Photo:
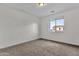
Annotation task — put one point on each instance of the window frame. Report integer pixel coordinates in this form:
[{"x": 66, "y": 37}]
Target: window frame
[{"x": 56, "y": 25}]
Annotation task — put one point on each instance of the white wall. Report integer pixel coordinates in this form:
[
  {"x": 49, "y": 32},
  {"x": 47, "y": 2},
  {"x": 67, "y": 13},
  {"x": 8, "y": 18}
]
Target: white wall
[
  {"x": 71, "y": 31},
  {"x": 16, "y": 27}
]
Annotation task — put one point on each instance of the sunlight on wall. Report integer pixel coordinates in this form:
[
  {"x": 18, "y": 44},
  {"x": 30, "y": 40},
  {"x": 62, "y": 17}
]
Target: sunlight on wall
[{"x": 35, "y": 27}]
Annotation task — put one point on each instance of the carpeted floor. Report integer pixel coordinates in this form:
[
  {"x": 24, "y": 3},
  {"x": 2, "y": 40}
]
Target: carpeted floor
[{"x": 40, "y": 48}]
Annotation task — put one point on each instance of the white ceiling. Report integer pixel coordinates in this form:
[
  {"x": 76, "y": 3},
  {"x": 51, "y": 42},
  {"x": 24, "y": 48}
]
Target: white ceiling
[{"x": 33, "y": 9}]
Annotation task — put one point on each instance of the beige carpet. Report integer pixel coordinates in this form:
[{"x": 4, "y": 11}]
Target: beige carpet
[{"x": 40, "y": 48}]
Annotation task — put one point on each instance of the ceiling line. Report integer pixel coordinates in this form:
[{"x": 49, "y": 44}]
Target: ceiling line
[
  {"x": 69, "y": 9},
  {"x": 21, "y": 10}
]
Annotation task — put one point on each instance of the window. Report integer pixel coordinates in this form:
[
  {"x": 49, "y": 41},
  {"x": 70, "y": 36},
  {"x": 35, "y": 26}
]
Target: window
[{"x": 57, "y": 25}]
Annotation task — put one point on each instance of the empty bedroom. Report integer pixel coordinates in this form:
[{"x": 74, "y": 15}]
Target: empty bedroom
[{"x": 39, "y": 29}]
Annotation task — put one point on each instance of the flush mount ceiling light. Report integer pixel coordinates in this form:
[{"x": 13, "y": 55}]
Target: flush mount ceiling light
[{"x": 41, "y": 4}]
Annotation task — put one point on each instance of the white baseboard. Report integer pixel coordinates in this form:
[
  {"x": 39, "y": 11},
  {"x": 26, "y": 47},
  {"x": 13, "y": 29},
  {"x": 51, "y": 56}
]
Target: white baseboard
[{"x": 18, "y": 42}]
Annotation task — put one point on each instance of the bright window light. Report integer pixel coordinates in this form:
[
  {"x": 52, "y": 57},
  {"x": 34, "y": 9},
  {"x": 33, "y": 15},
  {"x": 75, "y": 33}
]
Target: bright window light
[{"x": 57, "y": 25}]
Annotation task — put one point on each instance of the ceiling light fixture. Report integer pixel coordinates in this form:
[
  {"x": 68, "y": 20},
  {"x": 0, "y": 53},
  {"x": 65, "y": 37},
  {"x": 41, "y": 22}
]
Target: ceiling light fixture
[{"x": 41, "y": 4}]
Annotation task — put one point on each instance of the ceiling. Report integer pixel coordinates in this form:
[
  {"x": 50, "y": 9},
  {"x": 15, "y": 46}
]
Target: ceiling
[{"x": 33, "y": 9}]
